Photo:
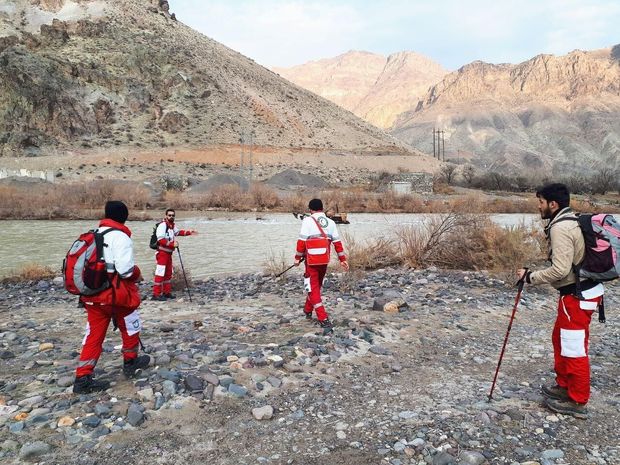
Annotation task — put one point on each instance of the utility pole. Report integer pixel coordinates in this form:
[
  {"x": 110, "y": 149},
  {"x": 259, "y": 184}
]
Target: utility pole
[
  {"x": 443, "y": 144},
  {"x": 433, "y": 142}
]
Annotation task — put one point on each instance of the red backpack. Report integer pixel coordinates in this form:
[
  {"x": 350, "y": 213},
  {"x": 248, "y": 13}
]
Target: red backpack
[
  {"x": 83, "y": 269},
  {"x": 317, "y": 248}
]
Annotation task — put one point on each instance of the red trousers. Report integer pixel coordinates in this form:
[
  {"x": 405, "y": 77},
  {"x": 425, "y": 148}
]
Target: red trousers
[
  {"x": 99, "y": 317},
  {"x": 163, "y": 274},
  {"x": 313, "y": 280},
  {"x": 570, "y": 337}
]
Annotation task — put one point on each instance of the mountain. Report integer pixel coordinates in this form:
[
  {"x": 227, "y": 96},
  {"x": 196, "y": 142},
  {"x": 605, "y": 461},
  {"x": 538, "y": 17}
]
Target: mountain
[
  {"x": 551, "y": 114},
  {"x": 372, "y": 86},
  {"x": 97, "y": 74}
]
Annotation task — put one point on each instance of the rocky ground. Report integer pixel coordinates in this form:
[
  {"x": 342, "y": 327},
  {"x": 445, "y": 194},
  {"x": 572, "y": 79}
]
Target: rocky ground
[{"x": 240, "y": 377}]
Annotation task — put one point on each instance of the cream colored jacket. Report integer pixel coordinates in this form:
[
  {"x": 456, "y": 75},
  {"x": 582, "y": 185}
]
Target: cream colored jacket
[{"x": 566, "y": 248}]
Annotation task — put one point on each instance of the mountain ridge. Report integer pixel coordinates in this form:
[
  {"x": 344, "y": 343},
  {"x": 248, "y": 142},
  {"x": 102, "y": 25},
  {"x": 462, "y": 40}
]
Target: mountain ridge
[
  {"x": 372, "y": 86},
  {"x": 558, "y": 114},
  {"x": 128, "y": 74}
]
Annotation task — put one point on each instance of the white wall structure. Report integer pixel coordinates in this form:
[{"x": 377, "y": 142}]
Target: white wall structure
[{"x": 48, "y": 176}]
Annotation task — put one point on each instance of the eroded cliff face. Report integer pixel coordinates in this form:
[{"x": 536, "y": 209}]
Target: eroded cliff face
[
  {"x": 550, "y": 113},
  {"x": 125, "y": 73},
  {"x": 372, "y": 86}
]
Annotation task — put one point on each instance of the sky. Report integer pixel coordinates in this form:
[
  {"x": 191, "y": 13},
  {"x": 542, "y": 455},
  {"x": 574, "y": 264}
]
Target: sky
[{"x": 451, "y": 32}]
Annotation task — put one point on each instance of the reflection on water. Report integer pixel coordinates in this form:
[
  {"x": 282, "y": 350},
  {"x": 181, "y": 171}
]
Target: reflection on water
[{"x": 227, "y": 243}]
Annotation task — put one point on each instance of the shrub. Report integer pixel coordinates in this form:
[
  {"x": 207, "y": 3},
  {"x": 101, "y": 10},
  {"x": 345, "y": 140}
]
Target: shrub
[
  {"x": 369, "y": 255},
  {"x": 30, "y": 272},
  {"x": 276, "y": 264},
  {"x": 467, "y": 242},
  {"x": 263, "y": 197}
]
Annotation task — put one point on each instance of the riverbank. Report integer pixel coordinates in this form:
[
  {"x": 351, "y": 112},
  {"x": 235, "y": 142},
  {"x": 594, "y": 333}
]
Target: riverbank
[
  {"x": 33, "y": 199},
  {"x": 240, "y": 377}
]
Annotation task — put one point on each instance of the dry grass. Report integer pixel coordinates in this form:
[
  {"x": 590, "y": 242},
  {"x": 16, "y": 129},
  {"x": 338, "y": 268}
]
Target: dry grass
[
  {"x": 30, "y": 272},
  {"x": 46, "y": 201},
  {"x": 452, "y": 241},
  {"x": 277, "y": 263},
  {"x": 178, "y": 280},
  {"x": 369, "y": 255},
  {"x": 468, "y": 242},
  {"x": 86, "y": 200}
]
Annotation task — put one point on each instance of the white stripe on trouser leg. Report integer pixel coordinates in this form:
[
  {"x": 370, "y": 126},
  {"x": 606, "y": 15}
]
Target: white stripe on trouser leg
[
  {"x": 315, "y": 306},
  {"x": 307, "y": 285},
  {"x": 160, "y": 270},
  {"x": 133, "y": 323},
  {"x": 86, "y": 333},
  {"x": 587, "y": 305},
  {"x": 87, "y": 363},
  {"x": 573, "y": 343}
]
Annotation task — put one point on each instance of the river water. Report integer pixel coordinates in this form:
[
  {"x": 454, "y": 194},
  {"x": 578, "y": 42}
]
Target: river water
[{"x": 226, "y": 243}]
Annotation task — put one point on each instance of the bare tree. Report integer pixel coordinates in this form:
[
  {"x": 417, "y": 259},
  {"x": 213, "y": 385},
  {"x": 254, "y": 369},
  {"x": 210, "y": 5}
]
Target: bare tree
[
  {"x": 469, "y": 173},
  {"x": 605, "y": 180},
  {"x": 448, "y": 172}
]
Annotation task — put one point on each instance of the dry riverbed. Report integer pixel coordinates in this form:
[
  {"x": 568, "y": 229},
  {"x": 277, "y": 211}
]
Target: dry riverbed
[{"x": 240, "y": 377}]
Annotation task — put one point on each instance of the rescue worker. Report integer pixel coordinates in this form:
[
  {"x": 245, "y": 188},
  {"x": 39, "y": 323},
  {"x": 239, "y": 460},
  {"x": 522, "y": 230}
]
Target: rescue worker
[
  {"x": 314, "y": 244},
  {"x": 571, "y": 332},
  {"x": 166, "y": 243},
  {"x": 117, "y": 303}
]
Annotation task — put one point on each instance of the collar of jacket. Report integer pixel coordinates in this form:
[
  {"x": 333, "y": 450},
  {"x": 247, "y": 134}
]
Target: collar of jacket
[
  {"x": 170, "y": 224},
  {"x": 559, "y": 214},
  {"x": 317, "y": 214},
  {"x": 106, "y": 222}
]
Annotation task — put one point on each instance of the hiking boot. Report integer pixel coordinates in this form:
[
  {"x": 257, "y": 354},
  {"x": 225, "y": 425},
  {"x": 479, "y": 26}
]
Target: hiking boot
[
  {"x": 327, "y": 326},
  {"x": 130, "y": 367},
  {"x": 170, "y": 296},
  {"x": 556, "y": 392},
  {"x": 568, "y": 407},
  {"x": 86, "y": 384},
  {"x": 159, "y": 298},
  {"x": 308, "y": 316}
]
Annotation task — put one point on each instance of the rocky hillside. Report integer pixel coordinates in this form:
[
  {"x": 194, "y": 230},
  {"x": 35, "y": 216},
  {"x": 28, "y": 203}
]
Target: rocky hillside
[
  {"x": 125, "y": 73},
  {"x": 549, "y": 114},
  {"x": 372, "y": 86}
]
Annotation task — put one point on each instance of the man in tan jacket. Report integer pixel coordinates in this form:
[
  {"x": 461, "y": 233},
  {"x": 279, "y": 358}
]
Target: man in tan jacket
[{"x": 571, "y": 332}]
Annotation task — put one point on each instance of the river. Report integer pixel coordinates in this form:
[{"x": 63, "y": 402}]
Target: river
[{"x": 226, "y": 243}]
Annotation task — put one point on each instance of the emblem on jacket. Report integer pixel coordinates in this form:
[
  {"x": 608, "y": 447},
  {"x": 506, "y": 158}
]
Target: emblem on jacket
[{"x": 323, "y": 221}]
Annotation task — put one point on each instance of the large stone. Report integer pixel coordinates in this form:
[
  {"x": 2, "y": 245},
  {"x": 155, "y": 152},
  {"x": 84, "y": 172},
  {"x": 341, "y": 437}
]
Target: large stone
[
  {"x": 471, "y": 458},
  {"x": 66, "y": 421},
  {"x": 135, "y": 417},
  {"x": 193, "y": 383},
  {"x": 32, "y": 450},
  {"x": 263, "y": 413}
]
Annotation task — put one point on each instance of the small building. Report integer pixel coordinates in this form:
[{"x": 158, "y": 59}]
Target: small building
[{"x": 412, "y": 183}]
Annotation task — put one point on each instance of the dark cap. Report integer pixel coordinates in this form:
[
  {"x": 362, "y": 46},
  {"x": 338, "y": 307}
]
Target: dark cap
[
  {"x": 315, "y": 205},
  {"x": 116, "y": 210}
]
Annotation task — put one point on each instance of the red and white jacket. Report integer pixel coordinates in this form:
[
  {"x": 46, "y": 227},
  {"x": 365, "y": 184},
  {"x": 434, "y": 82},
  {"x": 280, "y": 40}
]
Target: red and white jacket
[
  {"x": 309, "y": 230},
  {"x": 166, "y": 233},
  {"x": 121, "y": 268}
]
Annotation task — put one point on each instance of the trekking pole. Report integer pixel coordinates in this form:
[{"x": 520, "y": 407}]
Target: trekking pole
[
  {"x": 280, "y": 274},
  {"x": 520, "y": 284},
  {"x": 184, "y": 275},
  {"x": 273, "y": 277}
]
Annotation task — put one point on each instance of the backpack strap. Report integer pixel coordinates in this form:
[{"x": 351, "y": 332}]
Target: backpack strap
[
  {"x": 99, "y": 244},
  {"x": 319, "y": 226}
]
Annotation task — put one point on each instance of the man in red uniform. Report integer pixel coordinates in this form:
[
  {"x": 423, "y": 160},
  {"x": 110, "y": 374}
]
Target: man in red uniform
[
  {"x": 166, "y": 243},
  {"x": 571, "y": 332},
  {"x": 315, "y": 238},
  {"x": 118, "y": 303}
]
